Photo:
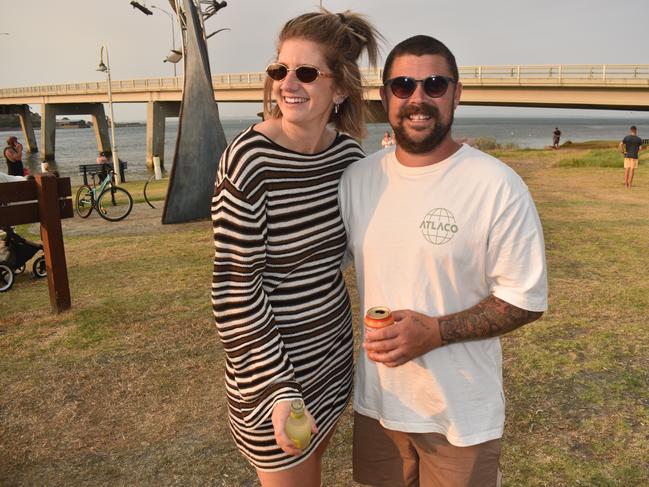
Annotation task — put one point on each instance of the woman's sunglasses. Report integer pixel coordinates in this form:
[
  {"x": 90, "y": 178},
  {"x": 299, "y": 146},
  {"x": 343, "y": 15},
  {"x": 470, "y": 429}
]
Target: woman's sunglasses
[
  {"x": 434, "y": 86},
  {"x": 304, "y": 73}
]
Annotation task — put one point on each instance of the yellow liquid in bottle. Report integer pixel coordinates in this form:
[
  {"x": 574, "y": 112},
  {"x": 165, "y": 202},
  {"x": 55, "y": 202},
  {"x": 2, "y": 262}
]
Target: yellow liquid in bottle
[{"x": 298, "y": 427}]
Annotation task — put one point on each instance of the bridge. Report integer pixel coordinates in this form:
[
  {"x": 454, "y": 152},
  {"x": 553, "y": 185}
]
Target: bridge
[{"x": 598, "y": 86}]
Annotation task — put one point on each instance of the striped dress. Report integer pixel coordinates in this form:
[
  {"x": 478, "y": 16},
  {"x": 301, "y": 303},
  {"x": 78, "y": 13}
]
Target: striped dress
[{"x": 279, "y": 299}]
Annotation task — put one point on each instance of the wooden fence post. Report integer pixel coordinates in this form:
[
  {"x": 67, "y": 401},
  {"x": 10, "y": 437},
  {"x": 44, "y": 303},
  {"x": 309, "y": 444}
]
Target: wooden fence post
[{"x": 52, "y": 236}]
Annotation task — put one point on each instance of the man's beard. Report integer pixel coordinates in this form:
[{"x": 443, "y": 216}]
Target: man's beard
[{"x": 432, "y": 140}]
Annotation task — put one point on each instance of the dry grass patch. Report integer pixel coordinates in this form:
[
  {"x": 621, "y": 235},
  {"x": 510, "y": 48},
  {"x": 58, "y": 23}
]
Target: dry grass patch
[{"x": 126, "y": 388}]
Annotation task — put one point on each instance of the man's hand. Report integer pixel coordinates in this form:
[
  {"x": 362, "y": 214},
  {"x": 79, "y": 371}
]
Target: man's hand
[
  {"x": 412, "y": 335},
  {"x": 281, "y": 412}
]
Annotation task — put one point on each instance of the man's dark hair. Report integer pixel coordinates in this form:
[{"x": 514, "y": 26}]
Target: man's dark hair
[
  {"x": 633, "y": 128},
  {"x": 420, "y": 45}
]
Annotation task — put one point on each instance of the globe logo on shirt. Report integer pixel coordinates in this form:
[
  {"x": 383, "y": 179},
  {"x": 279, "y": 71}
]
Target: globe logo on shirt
[{"x": 438, "y": 226}]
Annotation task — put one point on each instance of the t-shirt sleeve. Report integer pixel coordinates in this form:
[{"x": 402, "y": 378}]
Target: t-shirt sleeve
[
  {"x": 258, "y": 369},
  {"x": 516, "y": 266}
]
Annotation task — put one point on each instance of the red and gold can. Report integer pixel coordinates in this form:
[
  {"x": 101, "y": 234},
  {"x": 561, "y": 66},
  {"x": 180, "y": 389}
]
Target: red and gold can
[{"x": 378, "y": 317}]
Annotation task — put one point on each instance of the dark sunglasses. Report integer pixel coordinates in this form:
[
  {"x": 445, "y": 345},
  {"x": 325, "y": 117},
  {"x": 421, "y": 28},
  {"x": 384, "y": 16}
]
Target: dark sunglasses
[
  {"x": 304, "y": 73},
  {"x": 434, "y": 86}
]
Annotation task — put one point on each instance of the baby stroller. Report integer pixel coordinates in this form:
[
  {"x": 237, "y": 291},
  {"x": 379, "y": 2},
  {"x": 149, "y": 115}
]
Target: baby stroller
[{"x": 15, "y": 252}]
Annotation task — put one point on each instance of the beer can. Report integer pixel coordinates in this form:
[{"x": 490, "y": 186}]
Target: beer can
[{"x": 378, "y": 317}]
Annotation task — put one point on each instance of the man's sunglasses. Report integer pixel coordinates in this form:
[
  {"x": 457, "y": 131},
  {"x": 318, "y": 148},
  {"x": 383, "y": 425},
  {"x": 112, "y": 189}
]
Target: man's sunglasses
[
  {"x": 304, "y": 73},
  {"x": 434, "y": 86}
]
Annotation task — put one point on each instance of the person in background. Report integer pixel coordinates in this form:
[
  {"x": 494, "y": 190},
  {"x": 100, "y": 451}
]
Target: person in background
[
  {"x": 13, "y": 153},
  {"x": 45, "y": 168},
  {"x": 278, "y": 294},
  {"x": 386, "y": 141},
  {"x": 449, "y": 238},
  {"x": 556, "y": 137},
  {"x": 101, "y": 158},
  {"x": 630, "y": 146}
]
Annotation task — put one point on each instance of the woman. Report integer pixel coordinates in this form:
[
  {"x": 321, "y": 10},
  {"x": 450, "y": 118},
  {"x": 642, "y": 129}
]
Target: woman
[
  {"x": 278, "y": 294},
  {"x": 14, "y": 155}
]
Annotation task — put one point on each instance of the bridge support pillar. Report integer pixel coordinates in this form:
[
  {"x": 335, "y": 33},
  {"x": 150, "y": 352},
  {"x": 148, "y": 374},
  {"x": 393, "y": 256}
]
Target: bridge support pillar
[
  {"x": 100, "y": 126},
  {"x": 48, "y": 131},
  {"x": 49, "y": 112},
  {"x": 25, "y": 117},
  {"x": 156, "y": 115}
]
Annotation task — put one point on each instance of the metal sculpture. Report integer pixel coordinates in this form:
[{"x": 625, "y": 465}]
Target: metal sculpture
[{"x": 201, "y": 140}]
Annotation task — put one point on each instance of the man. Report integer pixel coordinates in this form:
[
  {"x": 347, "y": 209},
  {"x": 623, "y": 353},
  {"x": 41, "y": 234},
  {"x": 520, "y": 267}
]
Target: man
[
  {"x": 13, "y": 153},
  {"x": 630, "y": 146},
  {"x": 449, "y": 238},
  {"x": 556, "y": 137}
]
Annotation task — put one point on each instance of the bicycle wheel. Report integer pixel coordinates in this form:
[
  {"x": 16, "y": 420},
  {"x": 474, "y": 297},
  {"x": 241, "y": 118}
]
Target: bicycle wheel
[
  {"x": 84, "y": 201},
  {"x": 114, "y": 204},
  {"x": 39, "y": 269},
  {"x": 146, "y": 197},
  {"x": 6, "y": 278},
  {"x": 155, "y": 190}
]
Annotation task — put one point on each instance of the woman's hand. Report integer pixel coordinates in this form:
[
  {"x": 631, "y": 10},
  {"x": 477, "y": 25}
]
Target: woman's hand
[{"x": 281, "y": 412}]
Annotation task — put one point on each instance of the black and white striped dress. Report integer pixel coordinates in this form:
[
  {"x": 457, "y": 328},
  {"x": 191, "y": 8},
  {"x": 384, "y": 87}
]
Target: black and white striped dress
[{"x": 279, "y": 299}]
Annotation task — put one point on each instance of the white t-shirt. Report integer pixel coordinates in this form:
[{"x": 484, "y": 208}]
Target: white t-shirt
[
  {"x": 7, "y": 178},
  {"x": 438, "y": 240}
]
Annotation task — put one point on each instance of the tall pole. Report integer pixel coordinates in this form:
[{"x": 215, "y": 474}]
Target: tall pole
[
  {"x": 178, "y": 11},
  {"x": 106, "y": 68},
  {"x": 173, "y": 32}
]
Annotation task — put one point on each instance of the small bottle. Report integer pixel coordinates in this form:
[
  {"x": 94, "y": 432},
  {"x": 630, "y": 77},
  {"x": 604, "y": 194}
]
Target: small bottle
[
  {"x": 378, "y": 317},
  {"x": 298, "y": 426}
]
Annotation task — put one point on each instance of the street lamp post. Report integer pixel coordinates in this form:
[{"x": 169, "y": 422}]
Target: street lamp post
[
  {"x": 173, "y": 32},
  {"x": 105, "y": 68}
]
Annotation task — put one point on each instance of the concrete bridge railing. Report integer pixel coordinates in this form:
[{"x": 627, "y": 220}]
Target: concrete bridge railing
[
  {"x": 551, "y": 75},
  {"x": 585, "y": 74}
]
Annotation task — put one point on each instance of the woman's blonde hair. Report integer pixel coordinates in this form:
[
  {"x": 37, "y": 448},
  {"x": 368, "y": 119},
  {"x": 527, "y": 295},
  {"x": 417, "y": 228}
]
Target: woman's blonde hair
[{"x": 343, "y": 37}]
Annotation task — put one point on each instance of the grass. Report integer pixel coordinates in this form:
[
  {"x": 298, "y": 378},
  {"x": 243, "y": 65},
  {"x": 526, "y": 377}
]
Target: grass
[{"x": 126, "y": 388}]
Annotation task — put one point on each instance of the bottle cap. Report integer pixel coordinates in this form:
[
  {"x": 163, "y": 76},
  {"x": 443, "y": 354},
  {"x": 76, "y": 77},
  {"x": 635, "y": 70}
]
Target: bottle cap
[{"x": 297, "y": 406}]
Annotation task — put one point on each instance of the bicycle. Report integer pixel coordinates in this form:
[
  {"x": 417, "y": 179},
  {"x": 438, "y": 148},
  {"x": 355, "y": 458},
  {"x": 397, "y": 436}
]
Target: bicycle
[{"x": 112, "y": 204}]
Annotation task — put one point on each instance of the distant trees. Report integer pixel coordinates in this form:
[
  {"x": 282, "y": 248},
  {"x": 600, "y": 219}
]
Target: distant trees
[{"x": 12, "y": 121}]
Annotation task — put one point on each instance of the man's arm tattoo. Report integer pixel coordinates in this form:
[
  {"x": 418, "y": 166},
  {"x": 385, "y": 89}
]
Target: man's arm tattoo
[{"x": 489, "y": 318}]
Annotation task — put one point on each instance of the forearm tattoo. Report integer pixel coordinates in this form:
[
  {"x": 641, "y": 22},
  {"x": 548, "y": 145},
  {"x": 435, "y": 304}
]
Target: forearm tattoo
[{"x": 489, "y": 318}]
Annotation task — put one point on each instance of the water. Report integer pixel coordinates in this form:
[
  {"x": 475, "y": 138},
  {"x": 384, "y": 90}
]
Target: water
[{"x": 78, "y": 146}]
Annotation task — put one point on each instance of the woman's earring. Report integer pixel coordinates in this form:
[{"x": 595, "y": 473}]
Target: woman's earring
[{"x": 337, "y": 104}]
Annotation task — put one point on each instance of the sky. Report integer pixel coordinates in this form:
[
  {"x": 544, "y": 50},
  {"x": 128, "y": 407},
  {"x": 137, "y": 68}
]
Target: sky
[{"x": 58, "y": 41}]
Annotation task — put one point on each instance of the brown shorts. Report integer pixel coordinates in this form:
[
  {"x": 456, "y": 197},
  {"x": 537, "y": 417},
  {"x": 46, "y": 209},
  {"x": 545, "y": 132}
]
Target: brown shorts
[
  {"x": 388, "y": 458},
  {"x": 630, "y": 162}
]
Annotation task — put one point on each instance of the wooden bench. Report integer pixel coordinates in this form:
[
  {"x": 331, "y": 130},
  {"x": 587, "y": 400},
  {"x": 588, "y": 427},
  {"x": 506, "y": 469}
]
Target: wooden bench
[
  {"x": 92, "y": 170},
  {"x": 47, "y": 200}
]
